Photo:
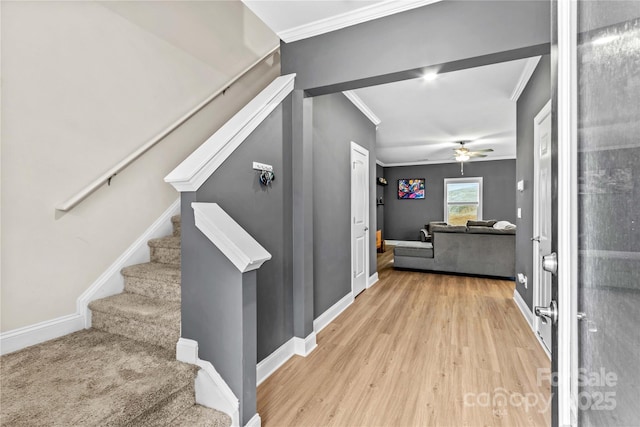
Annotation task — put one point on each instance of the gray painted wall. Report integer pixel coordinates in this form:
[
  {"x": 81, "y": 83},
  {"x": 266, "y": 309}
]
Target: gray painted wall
[
  {"x": 337, "y": 122},
  {"x": 535, "y": 95},
  {"x": 265, "y": 212},
  {"x": 380, "y": 208},
  {"x": 460, "y": 34},
  {"x": 404, "y": 218}
]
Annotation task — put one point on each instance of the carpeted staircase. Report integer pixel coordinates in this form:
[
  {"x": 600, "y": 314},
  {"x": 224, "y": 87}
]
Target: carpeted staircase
[{"x": 123, "y": 371}]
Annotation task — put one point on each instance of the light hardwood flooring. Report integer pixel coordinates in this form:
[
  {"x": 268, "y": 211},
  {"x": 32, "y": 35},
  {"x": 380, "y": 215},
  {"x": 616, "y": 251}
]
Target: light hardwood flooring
[{"x": 416, "y": 349}]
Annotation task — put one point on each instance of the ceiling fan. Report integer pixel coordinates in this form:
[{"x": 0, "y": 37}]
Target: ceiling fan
[{"x": 463, "y": 154}]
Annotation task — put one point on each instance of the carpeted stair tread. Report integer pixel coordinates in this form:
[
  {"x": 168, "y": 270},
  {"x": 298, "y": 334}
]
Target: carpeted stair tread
[
  {"x": 172, "y": 242},
  {"x": 92, "y": 378},
  {"x": 153, "y": 280},
  {"x": 165, "y": 250},
  {"x": 202, "y": 417},
  {"x": 137, "y": 317},
  {"x": 176, "y": 222}
]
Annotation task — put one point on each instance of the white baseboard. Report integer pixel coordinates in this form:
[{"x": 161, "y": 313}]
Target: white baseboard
[
  {"x": 111, "y": 281},
  {"x": 373, "y": 279},
  {"x": 334, "y": 311},
  {"x": 528, "y": 316},
  {"x": 255, "y": 421},
  {"x": 304, "y": 347},
  {"x": 20, "y": 338},
  {"x": 273, "y": 361},
  {"x": 211, "y": 390}
]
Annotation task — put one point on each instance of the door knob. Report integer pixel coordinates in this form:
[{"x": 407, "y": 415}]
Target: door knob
[
  {"x": 536, "y": 239},
  {"x": 366, "y": 228},
  {"x": 547, "y": 314},
  {"x": 550, "y": 263}
]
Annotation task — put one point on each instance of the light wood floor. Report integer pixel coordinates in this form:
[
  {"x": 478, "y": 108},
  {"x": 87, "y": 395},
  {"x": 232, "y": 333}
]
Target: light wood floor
[{"x": 417, "y": 349}]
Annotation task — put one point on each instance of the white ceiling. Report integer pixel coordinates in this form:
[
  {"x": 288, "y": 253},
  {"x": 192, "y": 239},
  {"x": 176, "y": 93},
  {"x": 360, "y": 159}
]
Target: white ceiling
[{"x": 420, "y": 121}]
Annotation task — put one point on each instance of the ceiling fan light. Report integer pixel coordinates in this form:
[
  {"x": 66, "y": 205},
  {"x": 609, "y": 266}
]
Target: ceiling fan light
[
  {"x": 462, "y": 158},
  {"x": 428, "y": 77}
]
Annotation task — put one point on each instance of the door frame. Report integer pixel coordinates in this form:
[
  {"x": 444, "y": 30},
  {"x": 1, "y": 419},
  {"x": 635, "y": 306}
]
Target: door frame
[
  {"x": 564, "y": 359},
  {"x": 353, "y": 148},
  {"x": 537, "y": 260}
]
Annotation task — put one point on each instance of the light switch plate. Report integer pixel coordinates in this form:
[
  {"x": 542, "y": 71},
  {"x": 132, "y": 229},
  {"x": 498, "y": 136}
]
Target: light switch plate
[
  {"x": 521, "y": 185},
  {"x": 519, "y": 212}
]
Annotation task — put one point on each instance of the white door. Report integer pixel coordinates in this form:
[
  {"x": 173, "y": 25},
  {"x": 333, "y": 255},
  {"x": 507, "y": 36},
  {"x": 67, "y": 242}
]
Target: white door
[
  {"x": 542, "y": 219},
  {"x": 359, "y": 218}
]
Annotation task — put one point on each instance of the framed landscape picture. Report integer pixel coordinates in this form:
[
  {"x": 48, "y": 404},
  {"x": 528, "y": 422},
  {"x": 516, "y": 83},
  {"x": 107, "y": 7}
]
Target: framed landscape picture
[{"x": 411, "y": 188}]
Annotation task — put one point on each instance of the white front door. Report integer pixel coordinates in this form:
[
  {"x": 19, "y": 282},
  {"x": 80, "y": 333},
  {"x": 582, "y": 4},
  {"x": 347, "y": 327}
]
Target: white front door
[
  {"x": 542, "y": 219},
  {"x": 359, "y": 218}
]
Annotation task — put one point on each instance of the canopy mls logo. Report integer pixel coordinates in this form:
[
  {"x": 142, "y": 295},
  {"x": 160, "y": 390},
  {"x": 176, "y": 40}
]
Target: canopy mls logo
[
  {"x": 596, "y": 388},
  {"x": 595, "y": 394}
]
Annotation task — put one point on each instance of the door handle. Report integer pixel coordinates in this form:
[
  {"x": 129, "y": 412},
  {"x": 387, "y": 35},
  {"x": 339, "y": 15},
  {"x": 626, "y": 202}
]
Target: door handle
[
  {"x": 547, "y": 314},
  {"x": 366, "y": 228},
  {"x": 550, "y": 263},
  {"x": 536, "y": 239}
]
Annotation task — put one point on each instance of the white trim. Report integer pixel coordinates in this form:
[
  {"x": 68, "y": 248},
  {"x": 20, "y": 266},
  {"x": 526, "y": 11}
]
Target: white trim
[
  {"x": 111, "y": 281},
  {"x": 526, "y": 74},
  {"x": 211, "y": 390},
  {"x": 373, "y": 279},
  {"x": 199, "y": 166},
  {"x": 187, "y": 351},
  {"x": 108, "y": 283},
  {"x": 347, "y": 19},
  {"x": 528, "y": 316},
  {"x": 360, "y": 105},
  {"x": 334, "y": 311},
  {"x": 234, "y": 242},
  {"x": 304, "y": 347},
  {"x": 442, "y": 162},
  {"x": 17, "y": 339},
  {"x": 272, "y": 362},
  {"x": 378, "y": 162},
  {"x": 255, "y": 421},
  {"x": 567, "y": 358}
]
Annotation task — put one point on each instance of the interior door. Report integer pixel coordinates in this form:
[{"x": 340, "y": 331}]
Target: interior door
[
  {"x": 542, "y": 219},
  {"x": 359, "y": 218}
]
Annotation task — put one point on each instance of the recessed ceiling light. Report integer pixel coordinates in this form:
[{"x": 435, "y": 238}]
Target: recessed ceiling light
[
  {"x": 429, "y": 77},
  {"x": 605, "y": 39}
]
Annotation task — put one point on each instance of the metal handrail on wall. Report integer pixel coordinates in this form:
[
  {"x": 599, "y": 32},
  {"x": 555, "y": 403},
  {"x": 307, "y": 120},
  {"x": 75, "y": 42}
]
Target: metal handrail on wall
[{"x": 108, "y": 175}]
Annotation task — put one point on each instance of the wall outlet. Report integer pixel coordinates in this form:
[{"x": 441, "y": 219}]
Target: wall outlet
[
  {"x": 519, "y": 212},
  {"x": 262, "y": 167}
]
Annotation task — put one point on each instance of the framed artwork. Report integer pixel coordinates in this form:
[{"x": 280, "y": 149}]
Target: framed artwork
[{"x": 411, "y": 188}]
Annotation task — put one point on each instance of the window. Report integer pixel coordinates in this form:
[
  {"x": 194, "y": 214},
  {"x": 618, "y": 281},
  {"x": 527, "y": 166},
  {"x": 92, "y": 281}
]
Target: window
[{"x": 462, "y": 200}]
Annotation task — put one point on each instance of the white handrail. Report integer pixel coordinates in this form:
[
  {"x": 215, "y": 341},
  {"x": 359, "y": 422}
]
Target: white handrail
[{"x": 106, "y": 177}]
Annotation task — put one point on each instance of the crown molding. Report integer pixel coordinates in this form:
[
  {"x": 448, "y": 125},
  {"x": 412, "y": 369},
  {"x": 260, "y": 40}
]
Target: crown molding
[
  {"x": 347, "y": 19},
  {"x": 528, "y": 70},
  {"x": 378, "y": 162},
  {"x": 441, "y": 162},
  {"x": 360, "y": 105}
]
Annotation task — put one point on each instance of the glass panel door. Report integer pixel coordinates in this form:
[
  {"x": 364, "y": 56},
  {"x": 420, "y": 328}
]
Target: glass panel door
[{"x": 608, "y": 138}]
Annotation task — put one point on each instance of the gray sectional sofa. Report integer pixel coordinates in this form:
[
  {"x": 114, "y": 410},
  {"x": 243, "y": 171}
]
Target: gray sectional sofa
[{"x": 474, "y": 249}]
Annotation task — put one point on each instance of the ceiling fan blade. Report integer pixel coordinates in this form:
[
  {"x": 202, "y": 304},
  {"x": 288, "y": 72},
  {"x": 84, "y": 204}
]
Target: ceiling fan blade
[
  {"x": 476, "y": 154},
  {"x": 484, "y": 150}
]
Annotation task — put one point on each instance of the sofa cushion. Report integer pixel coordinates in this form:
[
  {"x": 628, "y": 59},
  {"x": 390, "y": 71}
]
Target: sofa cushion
[
  {"x": 489, "y": 230},
  {"x": 414, "y": 249},
  {"x": 486, "y": 223},
  {"x": 449, "y": 229}
]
